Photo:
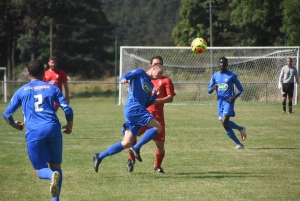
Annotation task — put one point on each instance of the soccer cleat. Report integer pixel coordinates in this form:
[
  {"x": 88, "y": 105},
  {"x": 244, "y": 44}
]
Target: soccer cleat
[
  {"x": 97, "y": 161},
  {"x": 54, "y": 189},
  {"x": 159, "y": 170},
  {"x": 130, "y": 165},
  {"x": 136, "y": 153},
  {"x": 243, "y": 133},
  {"x": 291, "y": 112},
  {"x": 240, "y": 147},
  {"x": 283, "y": 112}
]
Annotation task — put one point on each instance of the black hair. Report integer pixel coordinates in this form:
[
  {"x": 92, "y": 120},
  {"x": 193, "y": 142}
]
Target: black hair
[
  {"x": 36, "y": 68},
  {"x": 157, "y": 57},
  {"x": 225, "y": 59}
]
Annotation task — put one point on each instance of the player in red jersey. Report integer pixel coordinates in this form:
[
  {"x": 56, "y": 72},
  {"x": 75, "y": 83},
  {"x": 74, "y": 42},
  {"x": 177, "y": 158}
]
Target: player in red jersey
[
  {"x": 57, "y": 77},
  {"x": 166, "y": 94}
]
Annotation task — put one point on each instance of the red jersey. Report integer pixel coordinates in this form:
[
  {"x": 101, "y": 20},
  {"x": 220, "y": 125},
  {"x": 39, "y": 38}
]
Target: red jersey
[
  {"x": 56, "y": 77},
  {"x": 166, "y": 88}
]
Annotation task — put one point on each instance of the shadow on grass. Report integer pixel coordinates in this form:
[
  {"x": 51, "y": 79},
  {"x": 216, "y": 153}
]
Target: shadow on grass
[
  {"x": 266, "y": 148},
  {"x": 216, "y": 175},
  {"x": 88, "y": 94}
]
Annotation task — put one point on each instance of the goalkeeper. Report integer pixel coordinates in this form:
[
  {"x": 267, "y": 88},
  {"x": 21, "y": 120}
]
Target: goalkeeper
[{"x": 287, "y": 78}]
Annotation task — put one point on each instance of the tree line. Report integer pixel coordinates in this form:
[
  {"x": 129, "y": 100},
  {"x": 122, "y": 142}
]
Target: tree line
[{"x": 82, "y": 34}]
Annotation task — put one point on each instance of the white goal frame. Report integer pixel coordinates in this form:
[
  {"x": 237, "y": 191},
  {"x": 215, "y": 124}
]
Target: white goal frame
[
  {"x": 4, "y": 85},
  {"x": 189, "y": 65}
]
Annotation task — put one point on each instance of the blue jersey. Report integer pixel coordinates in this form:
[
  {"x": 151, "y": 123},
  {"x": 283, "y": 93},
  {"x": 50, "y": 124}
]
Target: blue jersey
[
  {"x": 225, "y": 82},
  {"x": 37, "y": 98},
  {"x": 140, "y": 88}
]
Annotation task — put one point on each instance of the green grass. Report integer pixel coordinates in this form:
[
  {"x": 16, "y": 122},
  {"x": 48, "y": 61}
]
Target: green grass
[{"x": 201, "y": 162}]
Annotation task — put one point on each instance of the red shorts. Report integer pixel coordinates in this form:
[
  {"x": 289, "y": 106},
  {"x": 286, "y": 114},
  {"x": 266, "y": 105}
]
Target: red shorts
[{"x": 161, "y": 137}]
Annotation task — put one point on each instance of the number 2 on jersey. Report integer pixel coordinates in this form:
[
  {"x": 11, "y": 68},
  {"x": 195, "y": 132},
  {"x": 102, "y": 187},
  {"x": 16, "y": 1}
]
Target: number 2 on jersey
[{"x": 39, "y": 101}]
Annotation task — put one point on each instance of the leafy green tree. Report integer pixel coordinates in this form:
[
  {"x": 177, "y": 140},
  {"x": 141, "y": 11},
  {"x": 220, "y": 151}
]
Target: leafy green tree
[
  {"x": 291, "y": 19},
  {"x": 196, "y": 23},
  {"x": 259, "y": 20},
  {"x": 143, "y": 22}
]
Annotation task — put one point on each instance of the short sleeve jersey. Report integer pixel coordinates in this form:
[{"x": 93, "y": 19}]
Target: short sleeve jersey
[
  {"x": 226, "y": 82},
  {"x": 166, "y": 87},
  {"x": 56, "y": 77},
  {"x": 36, "y": 99}
]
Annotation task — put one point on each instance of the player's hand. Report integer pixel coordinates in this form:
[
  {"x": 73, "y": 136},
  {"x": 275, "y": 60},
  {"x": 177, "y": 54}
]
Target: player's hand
[
  {"x": 18, "y": 125},
  {"x": 124, "y": 81},
  {"x": 215, "y": 87},
  {"x": 279, "y": 86},
  {"x": 66, "y": 129},
  {"x": 230, "y": 100}
]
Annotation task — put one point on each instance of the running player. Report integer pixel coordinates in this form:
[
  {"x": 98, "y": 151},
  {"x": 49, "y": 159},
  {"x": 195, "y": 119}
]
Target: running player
[
  {"x": 223, "y": 82},
  {"x": 43, "y": 130}
]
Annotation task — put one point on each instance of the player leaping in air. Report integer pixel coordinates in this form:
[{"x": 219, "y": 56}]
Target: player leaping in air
[{"x": 141, "y": 94}]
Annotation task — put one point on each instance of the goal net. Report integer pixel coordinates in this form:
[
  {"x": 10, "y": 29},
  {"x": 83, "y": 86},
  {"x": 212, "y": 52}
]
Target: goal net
[{"x": 258, "y": 69}]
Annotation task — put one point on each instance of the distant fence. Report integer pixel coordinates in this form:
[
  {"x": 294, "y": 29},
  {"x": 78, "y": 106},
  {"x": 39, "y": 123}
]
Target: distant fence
[
  {"x": 77, "y": 89},
  {"x": 89, "y": 89}
]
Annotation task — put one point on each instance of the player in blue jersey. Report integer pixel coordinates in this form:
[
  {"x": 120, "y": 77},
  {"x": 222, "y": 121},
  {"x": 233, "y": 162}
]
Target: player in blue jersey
[
  {"x": 223, "y": 82},
  {"x": 141, "y": 94},
  {"x": 43, "y": 129}
]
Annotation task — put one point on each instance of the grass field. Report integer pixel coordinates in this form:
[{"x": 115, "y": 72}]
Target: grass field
[{"x": 201, "y": 162}]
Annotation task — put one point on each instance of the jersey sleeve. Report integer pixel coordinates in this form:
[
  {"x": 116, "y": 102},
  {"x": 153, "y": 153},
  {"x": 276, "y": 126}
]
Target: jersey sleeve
[
  {"x": 280, "y": 77},
  {"x": 131, "y": 75},
  {"x": 238, "y": 85},
  {"x": 13, "y": 106},
  {"x": 211, "y": 84},
  {"x": 169, "y": 87},
  {"x": 63, "y": 76}
]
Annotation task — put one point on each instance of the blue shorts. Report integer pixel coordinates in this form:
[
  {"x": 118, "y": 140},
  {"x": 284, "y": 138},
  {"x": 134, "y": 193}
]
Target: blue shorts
[
  {"x": 42, "y": 152},
  {"x": 225, "y": 108},
  {"x": 135, "y": 118}
]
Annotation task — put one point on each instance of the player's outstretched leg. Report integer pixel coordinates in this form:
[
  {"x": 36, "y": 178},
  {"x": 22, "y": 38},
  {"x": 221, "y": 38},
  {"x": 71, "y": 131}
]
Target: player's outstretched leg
[
  {"x": 149, "y": 135},
  {"x": 98, "y": 157},
  {"x": 96, "y": 161}
]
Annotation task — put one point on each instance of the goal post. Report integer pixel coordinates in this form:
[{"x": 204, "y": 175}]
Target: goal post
[
  {"x": 4, "y": 85},
  {"x": 258, "y": 69}
]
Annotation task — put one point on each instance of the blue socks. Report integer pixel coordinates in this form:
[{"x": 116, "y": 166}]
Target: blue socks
[
  {"x": 46, "y": 173},
  {"x": 149, "y": 135},
  {"x": 114, "y": 149},
  {"x": 59, "y": 184},
  {"x": 233, "y": 125},
  {"x": 232, "y": 136}
]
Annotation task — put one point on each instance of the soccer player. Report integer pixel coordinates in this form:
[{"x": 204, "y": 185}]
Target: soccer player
[
  {"x": 141, "y": 94},
  {"x": 223, "y": 82},
  {"x": 43, "y": 129},
  {"x": 166, "y": 88},
  {"x": 287, "y": 78},
  {"x": 57, "y": 77}
]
